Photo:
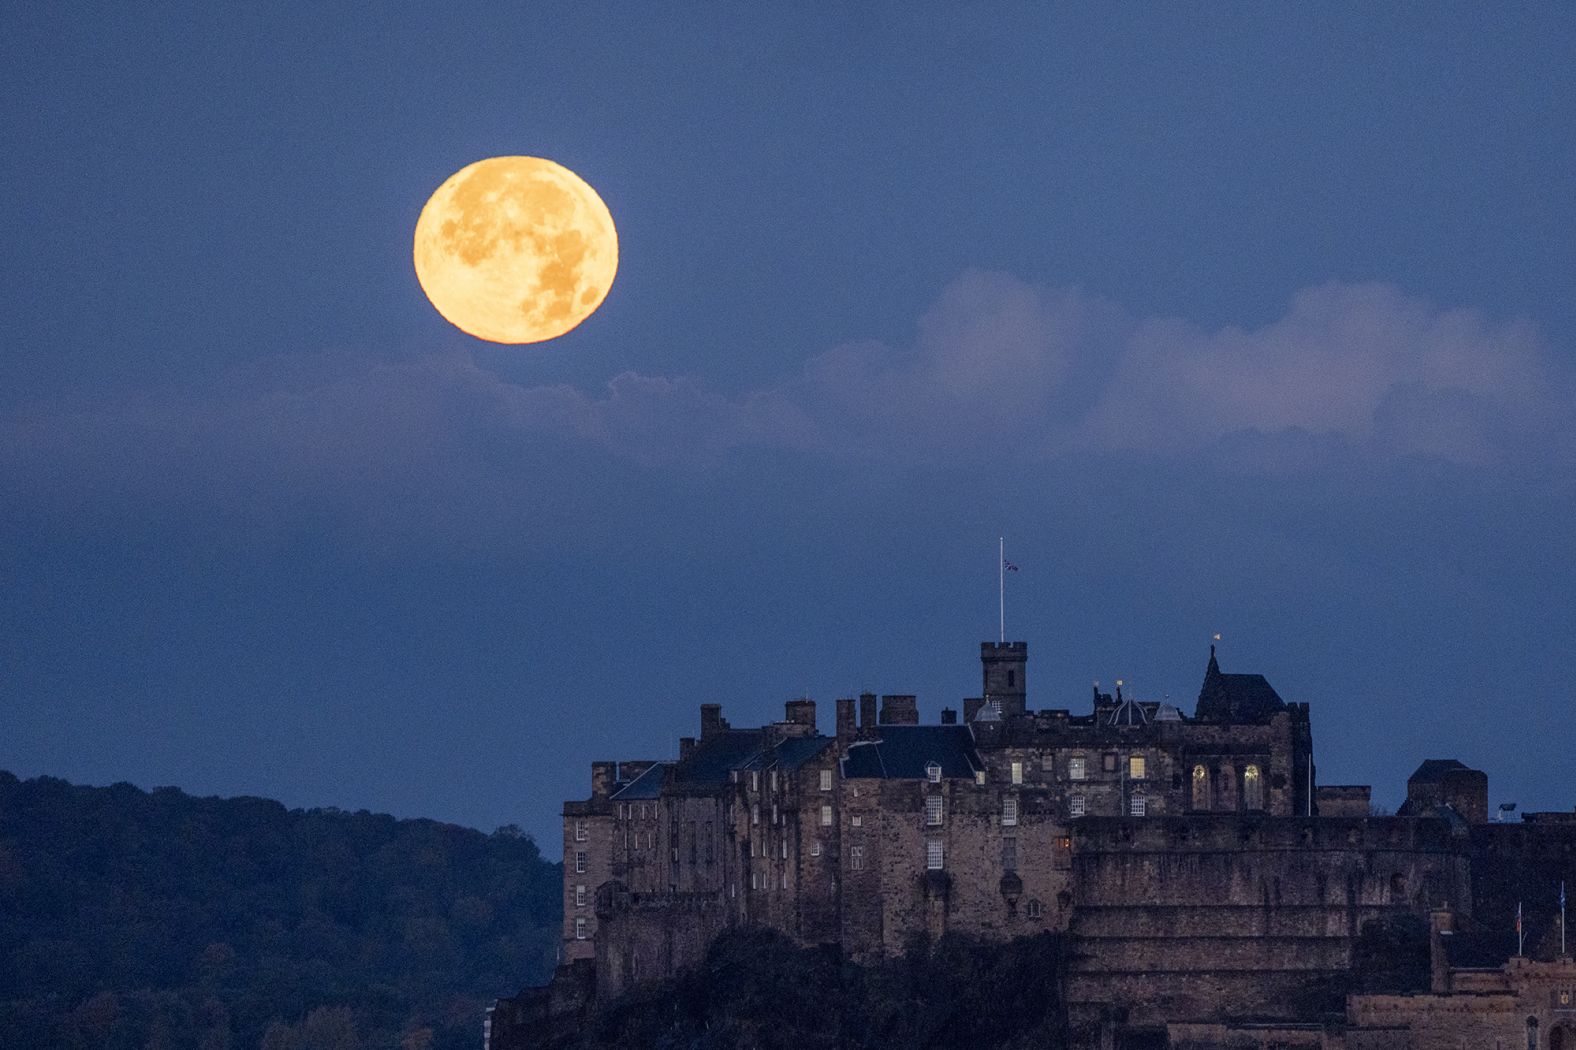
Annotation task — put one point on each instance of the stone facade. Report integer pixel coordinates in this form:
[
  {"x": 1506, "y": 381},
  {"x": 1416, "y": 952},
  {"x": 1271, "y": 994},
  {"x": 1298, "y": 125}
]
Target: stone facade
[{"x": 1189, "y": 858}]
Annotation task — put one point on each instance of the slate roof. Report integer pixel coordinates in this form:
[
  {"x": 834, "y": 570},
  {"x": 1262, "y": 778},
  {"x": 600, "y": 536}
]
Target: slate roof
[
  {"x": 1236, "y": 698},
  {"x": 789, "y": 754},
  {"x": 903, "y": 752},
  {"x": 647, "y": 785},
  {"x": 1434, "y": 770},
  {"x": 716, "y": 757}
]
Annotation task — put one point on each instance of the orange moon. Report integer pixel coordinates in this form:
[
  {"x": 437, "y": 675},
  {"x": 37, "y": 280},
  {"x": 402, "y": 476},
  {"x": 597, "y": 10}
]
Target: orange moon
[{"x": 515, "y": 249}]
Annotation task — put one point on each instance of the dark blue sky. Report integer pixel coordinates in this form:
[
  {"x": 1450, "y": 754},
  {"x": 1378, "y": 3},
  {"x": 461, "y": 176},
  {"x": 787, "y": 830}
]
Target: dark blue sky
[{"x": 1245, "y": 319}]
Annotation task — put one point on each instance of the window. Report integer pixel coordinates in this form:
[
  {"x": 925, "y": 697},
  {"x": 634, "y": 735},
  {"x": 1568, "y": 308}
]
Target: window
[
  {"x": 826, "y": 816},
  {"x": 1077, "y": 768},
  {"x": 1009, "y": 854},
  {"x": 580, "y": 831},
  {"x": 856, "y": 858},
  {"x": 1017, "y": 772},
  {"x": 1062, "y": 854},
  {"x": 933, "y": 855},
  {"x": 933, "y": 810},
  {"x": 580, "y": 862},
  {"x": 1252, "y": 788},
  {"x": 651, "y": 837},
  {"x": 783, "y": 882},
  {"x": 826, "y": 780},
  {"x": 1135, "y": 806},
  {"x": 1009, "y": 812},
  {"x": 755, "y": 781},
  {"x": 755, "y": 813},
  {"x": 785, "y": 849},
  {"x": 1200, "y": 787},
  {"x": 933, "y": 773},
  {"x": 979, "y": 778},
  {"x": 580, "y": 896},
  {"x": 1076, "y": 806},
  {"x": 642, "y": 811},
  {"x": 815, "y": 848},
  {"x": 1136, "y": 767},
  {"x": 580, "y": 929},
  {"x": 857, "y": 821},
  {"x": 774, "y": 780},
  {"x": 755, "y": 880},
  {"x": 1033, "y": 909},
  {"x": 775, "y": 818},
  {"x": 1108, "y": 763}
]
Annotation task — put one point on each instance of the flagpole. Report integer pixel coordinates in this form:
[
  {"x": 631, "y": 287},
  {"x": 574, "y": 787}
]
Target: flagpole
[
  {"x": 1001, "y": 586},
  {"x": 1521, "y": 940},
  {"x": 1562, "y": 916}
]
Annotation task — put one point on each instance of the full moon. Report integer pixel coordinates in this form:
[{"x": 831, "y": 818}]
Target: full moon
[{"x": 515, "y": 249}]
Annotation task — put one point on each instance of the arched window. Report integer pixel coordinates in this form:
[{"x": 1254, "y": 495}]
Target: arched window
[
  {"x": 1200, "y": 787},
  {"x": 1252, "y": 788}
]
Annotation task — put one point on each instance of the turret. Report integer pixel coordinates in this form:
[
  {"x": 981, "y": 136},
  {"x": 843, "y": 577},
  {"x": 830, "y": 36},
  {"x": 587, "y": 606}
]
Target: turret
[{"x": 1005, "y": 666}]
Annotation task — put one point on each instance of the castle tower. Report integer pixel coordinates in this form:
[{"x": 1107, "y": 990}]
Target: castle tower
[{"x": 1005, "y": 665}]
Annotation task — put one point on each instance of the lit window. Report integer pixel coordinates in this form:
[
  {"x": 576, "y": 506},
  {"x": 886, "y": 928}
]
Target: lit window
[
  {"x": 933, "y": 773},
  {"x": 1200, "y": 787},
  {"x": 1033, "y": 908},
  {"x": 933, "y": 855},
  {"x": 580, "y": 831},
  {"x": 826, "y": 816},
  {"x": 755, "y": 813},
  {"x": 858, "y": 821},
  {"x": 1135, "y": 807},
  {"x": 856, "y": 858},
  {"x": 1135, "y": 767},
  {"x": 580, "y": 862},
  {"x": 815, "y": 848},
  {"x": 979, "y": 777},
  {"x": 1077, "y": 768},
  {"x": 1252, "y": 788},
  {"x": 1009, "y": 854},
  {"x": 933, "y": 810},
  {"x": 1076, "y": 805},
  {"x": 580, "y": 896},
  {"x": 1009, "y": 812},
  {"x": 580, "y": 929},
  {"x": 826, "y": 780},
  {"x": 1017, "y": 772}
]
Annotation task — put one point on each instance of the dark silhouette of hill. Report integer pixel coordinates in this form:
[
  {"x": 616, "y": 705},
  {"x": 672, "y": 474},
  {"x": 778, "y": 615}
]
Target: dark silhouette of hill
[
  {"x": 758, "y": 989},
  {"x": 132, "y": 920}
]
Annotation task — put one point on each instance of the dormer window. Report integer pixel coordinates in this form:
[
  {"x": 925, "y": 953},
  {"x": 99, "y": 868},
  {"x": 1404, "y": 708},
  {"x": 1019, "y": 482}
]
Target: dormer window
[{"x": 933, "y": 772}]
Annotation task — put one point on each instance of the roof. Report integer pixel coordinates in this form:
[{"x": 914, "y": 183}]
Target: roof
[
  {"x": 647, "y": 785},
  {"x": 789, "y": 754},
  {"x": 1167, "y": 713},
  {"x": 903, "y": 752},
  {"x": 1127, "y": 714},
  {"x": 717, "y": 756},
  {"x": 1435, "y": 770},
  {"x": 1236, "y": 698}
]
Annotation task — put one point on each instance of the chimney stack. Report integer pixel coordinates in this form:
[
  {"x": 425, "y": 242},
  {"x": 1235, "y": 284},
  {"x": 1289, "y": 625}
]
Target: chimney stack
[
  {"x": 711, "y": 721},
  {"x": 602, "y": 778},
  {"x": 686, "y": 747},
  {"x": 800, "y": 712},
  {"x": 845, "y": 720},
  {"x": 867, "y": 710},
  {"x": 949, "y": 717},
  {"x": 899, "y": 711}
]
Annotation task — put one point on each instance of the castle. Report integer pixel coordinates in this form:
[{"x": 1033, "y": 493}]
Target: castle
[{"x": 1199, "y": 872}]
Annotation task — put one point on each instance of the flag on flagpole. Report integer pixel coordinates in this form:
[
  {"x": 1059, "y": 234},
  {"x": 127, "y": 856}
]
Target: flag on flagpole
[
  {"x": 1009, "y": 566},
  {"x": 1520, "y": 942}
]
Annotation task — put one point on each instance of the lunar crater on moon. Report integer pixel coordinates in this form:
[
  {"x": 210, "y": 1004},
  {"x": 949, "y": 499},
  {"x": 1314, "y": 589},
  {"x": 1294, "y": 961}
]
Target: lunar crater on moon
[{"x": 515, "y": 249}]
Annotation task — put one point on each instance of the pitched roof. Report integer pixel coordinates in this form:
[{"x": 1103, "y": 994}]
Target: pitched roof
[
  {"x": 903, "y": 752},
  {"x": 647, "y": 785},
  {"x": 1236, "y": 698},
  {"x": 1434, "y": 770},
  {"x": 789, "y": 754},
  {"x": 717, "y": 756}
]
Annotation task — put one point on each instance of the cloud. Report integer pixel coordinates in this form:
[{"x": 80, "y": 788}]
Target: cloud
[{"x": 1000, "y": 371}]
